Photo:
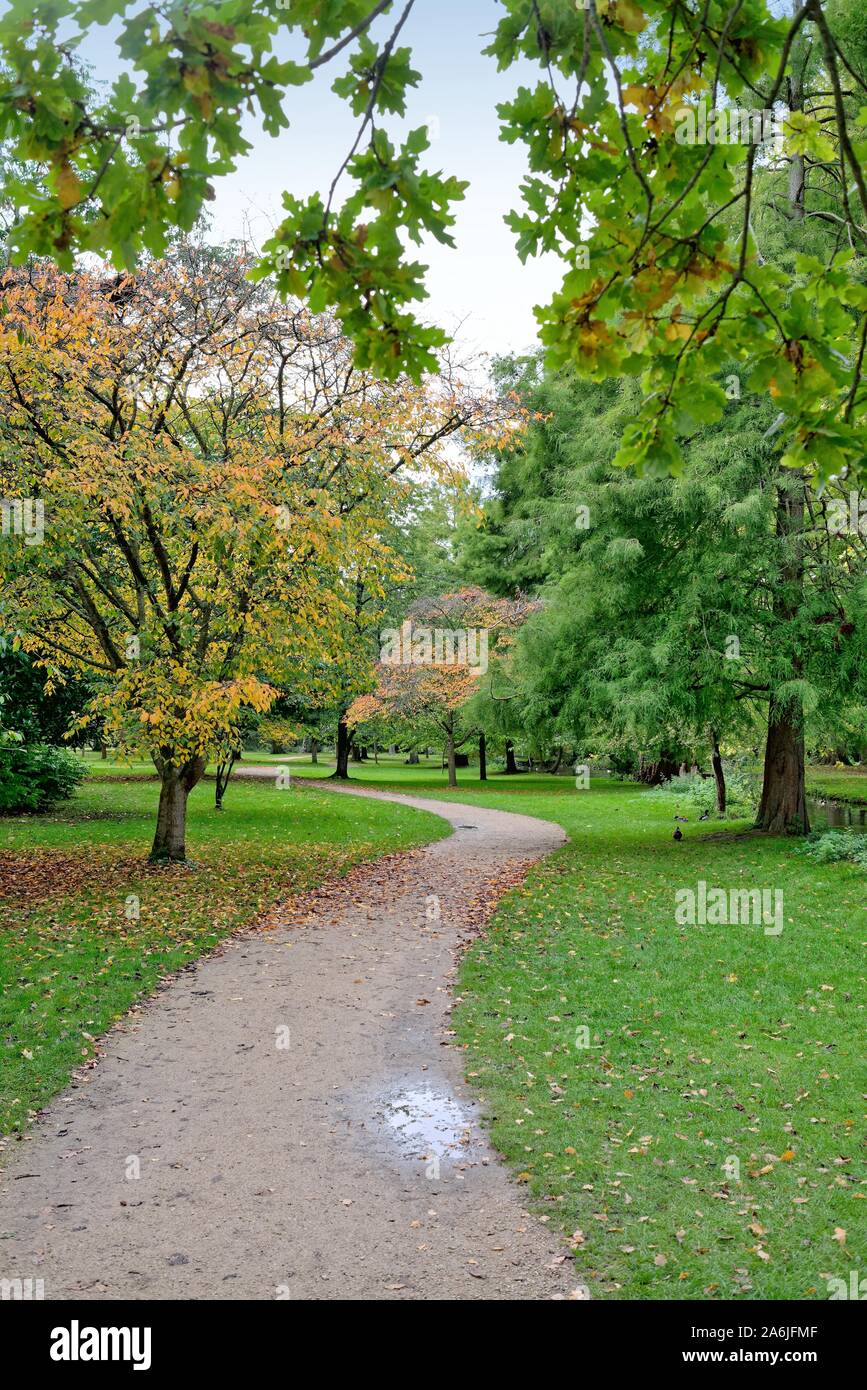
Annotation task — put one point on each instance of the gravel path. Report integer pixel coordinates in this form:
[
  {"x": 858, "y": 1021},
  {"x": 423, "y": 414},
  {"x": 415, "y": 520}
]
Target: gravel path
[{"x": 298, "y": 1121}]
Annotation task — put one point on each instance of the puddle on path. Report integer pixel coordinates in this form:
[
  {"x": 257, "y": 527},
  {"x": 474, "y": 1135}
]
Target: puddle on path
[{"x": 431, "y": 1123}]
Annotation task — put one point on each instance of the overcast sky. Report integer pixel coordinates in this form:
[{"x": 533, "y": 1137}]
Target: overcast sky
[{"x": 482, "y": 282}]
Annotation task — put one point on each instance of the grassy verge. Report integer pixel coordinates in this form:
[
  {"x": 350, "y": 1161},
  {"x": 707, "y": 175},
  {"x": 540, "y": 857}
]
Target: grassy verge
[
  {"x": 705, "y": 1143},
  {"x": 840, "y": 783},
  {"x": 74, "y": 955}
]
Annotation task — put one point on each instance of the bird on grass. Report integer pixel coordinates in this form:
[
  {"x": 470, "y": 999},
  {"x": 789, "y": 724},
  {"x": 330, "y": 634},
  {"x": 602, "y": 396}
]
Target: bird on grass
[
  {"x": 682, "y": 818},
  {"x": 678, "y": 833},
  {"x": 705, "y": 815}
]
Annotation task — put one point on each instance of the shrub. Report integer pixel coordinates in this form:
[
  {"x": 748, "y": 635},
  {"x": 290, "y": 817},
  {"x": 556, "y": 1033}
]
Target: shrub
[
  {"x": 35, "y": 776},
  {"x": 834, "y": 847},
  {"x": 699, "y": 793}
]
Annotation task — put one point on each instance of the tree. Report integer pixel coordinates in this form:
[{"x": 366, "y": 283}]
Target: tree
[
  {"x": 662, "y": 626},
  {"x": 418, "y": 532},
  {"x": 648, "y": 137},
  {"x": 211, "y": 467},
  {"x": 425, "y": 700},
  {"x": 431, "y": 667},
  {"x": 651, "y": 215}
]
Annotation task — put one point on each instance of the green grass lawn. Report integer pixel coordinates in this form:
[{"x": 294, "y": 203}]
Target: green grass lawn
[
  {"x": 708, "y": 1142},
  {"x": 73, "y": 961},
  {"x": 704, "y": 1145},
  {"x": 842, "y": 783},
  {"x": 113, "y": 768}
]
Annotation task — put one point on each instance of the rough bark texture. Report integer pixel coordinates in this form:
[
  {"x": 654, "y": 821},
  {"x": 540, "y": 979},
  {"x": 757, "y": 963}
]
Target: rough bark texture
[
  {"x": 169, "y": 844},
  {"x": 783, "y": 806}
]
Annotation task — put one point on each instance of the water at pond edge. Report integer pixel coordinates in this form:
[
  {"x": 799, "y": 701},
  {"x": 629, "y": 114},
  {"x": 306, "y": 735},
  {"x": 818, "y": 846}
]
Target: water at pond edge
[{"x": 826, "y": 814}]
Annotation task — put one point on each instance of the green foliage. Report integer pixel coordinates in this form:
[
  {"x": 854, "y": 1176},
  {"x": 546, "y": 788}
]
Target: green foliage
[
  {"x": 835, "y": 846},
  {"x": 674, "y": 608},
  {"x": 666, "y": 278},
  {"x": 124, "y": 173},
  {"x": 34, "y": 777},
  {"x": 279, "y": 734},
  {"x": 41, "y": 715},
  {"x": 698, "y": 794}
]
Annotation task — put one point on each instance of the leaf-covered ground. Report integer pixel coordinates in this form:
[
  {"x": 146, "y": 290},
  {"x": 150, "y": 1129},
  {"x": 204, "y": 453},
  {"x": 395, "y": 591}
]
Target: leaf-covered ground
[
  {"x": 74, "y": 956},
  {"x": 709, "y": 1142}
]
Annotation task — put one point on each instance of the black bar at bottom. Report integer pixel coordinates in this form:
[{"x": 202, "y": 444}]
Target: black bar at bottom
[{"x": 161, "y": 1338}]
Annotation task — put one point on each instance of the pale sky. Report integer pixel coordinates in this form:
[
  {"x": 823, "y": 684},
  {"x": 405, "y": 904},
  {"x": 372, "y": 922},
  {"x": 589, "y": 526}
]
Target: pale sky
[{"x": 482, "y": 282}]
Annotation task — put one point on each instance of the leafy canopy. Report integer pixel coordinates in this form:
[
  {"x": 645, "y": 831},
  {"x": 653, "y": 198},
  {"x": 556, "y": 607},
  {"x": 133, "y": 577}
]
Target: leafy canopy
[
  {"x": 214, "y": 474},
  {"x": 663, "y": 277}
]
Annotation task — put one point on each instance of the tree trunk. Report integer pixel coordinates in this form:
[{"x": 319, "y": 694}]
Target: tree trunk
[
  {"x": 314, "y": 751},
  {"x": 719, "y": 776},
  {"x": 511, "y": 765},
  {"x": 169, "y": 844},
  {"x": 412, "y": 760},
  {"x": 483, "y": 759},
  {"x": 224, "y": 772},
  {"x": 354, "y": 751},
  {"x": 342, "y": 768},
  {"x": 450, "y": 749},
  {"x": 783, "y": 807},
  {"x": 653, "y": 774}
]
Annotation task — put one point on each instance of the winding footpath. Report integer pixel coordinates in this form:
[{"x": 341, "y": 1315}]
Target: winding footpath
[{"x": 296, "y": 1117}]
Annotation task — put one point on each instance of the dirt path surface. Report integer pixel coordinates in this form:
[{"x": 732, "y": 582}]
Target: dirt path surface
[{"x": 299, "y": 1123}]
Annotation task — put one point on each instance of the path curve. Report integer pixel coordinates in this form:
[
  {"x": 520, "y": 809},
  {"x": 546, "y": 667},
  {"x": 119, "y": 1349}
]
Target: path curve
[{"x": 348, "y": 1164}]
